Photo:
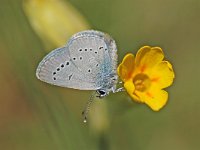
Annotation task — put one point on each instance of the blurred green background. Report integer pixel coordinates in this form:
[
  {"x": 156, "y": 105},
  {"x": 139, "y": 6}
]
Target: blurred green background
[{"x": 37, "y": 116}]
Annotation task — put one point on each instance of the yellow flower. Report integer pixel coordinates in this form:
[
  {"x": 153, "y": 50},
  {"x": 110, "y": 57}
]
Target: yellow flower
[{"x": 146, "y": 75}]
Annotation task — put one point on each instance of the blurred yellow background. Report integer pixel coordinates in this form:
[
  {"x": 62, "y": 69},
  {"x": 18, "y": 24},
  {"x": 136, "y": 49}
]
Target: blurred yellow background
[{"x": 38, "y": 116}]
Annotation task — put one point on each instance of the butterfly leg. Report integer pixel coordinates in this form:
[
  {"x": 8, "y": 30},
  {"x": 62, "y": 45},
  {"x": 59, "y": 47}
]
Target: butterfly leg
[{"x": 118, "y": 90}]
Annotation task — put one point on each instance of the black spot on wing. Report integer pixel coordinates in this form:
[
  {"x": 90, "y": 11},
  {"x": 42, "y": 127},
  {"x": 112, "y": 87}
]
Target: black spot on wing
[{"x": 70, "y": 76}]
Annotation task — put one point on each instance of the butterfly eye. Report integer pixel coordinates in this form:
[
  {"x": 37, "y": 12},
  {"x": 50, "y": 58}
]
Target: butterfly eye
[{"x": 101, "y": 93}]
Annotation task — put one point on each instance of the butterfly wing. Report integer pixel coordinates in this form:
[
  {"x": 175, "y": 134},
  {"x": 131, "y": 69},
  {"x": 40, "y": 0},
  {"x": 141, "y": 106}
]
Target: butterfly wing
[{"x": 79, "y": 64}]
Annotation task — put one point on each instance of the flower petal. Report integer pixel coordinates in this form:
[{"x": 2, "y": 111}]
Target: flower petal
[
  {"x": 162, "y": 75},
  {"x": 126, "y": 68},
  {"x": 130, "y": 88},
  {"x": 155, "y": 99},
  {"x": 147, "y": 57}
]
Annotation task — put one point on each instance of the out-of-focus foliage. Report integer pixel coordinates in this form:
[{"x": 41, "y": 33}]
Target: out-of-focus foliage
[
  {"x": 38, "y": 116},
  {"x": 54, "y": 20}
]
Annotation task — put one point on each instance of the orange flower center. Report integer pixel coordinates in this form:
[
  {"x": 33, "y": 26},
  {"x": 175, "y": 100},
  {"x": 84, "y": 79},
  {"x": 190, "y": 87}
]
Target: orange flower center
[{"x": 142, "y": 82}]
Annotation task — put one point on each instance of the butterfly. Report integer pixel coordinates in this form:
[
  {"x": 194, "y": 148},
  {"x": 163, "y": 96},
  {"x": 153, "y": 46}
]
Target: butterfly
[{"x": 87, "y": 62}]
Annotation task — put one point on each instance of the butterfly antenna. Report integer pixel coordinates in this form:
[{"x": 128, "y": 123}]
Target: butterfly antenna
[{"x": 87, "y": 107}]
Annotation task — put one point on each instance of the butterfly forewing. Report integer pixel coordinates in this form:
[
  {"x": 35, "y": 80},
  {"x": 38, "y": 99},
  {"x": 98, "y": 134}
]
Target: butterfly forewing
[{"x": 82, "y": 63}]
